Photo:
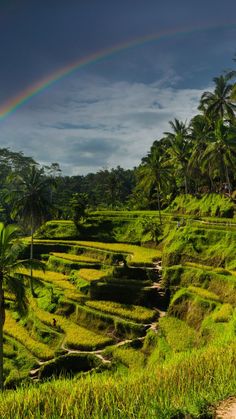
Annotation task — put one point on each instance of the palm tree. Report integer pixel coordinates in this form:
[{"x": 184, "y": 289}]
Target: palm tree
[
  {"x": 9, "y": 251},
  {"x": 31, "y": 200},
  {"x": 179, "y": 149},
  {"x": 219, "y": 104},
  {"x": 221, "y": 152},
  {"x": 200, "y": 134},
  {"x": 155, "y": 174}
]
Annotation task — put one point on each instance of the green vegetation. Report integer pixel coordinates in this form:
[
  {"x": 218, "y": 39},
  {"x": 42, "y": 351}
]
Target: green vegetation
[
  {"x": 207, "y": 205},
  {"x": 59, "y": 280},
  {"x": 76, "y": 337},
  {"x": 135, "y": 313},
  {"x": 18, "y": 332},
  {"x": 103, "y": 308},
  {"x": 186, "y": 384},
  {"x": 91, "y": 275}
]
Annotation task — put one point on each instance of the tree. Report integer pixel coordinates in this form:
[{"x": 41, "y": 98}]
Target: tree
[
  {"x": 200, "y": 134},
  {"x": 78, "y": 205},
  {"x": 219, "y": 104},
  {"x": 31, "y": 201},
  {"x": 151, "y": 227},
  {"x": 155, "y": 174},
  {"x": 221, "y": 152},
  {"x": 9, "y": 251},
  {"x": 179, "y": 150}
]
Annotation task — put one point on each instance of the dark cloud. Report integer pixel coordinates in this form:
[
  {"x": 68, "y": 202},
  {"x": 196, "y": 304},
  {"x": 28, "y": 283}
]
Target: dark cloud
[
  {"x": 71, "y": 126},
  {"x": 93, "y": 152}
]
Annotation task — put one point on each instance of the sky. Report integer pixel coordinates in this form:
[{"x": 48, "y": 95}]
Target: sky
[{"x": 145, "y": 62}]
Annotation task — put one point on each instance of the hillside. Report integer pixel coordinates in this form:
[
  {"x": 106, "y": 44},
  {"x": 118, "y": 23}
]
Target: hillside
[{"x": 123, "y": 329}]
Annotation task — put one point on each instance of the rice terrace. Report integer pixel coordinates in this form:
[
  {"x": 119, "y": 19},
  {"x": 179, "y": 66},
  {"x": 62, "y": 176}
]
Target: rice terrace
[{"x": 117, "y": 210}]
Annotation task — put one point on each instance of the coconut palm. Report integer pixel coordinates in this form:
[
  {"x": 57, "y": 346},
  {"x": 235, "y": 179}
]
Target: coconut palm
[
  {"x": 155, "y": 174},
  {"x": 200, "y": 134},
  {"x": 31, "y": 201},
  {"x": 221, "y": 152},
  {"x": 179, "y": 150},
  {"x": 219, "y": 104},
  {"x": 9, "y": 251}
]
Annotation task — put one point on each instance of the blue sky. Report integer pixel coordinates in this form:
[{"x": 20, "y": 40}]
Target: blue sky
[{"x": 109, "y": 112}]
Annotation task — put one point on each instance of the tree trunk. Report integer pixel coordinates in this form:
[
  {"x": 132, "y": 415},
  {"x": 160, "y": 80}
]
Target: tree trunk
[
  {"x": 31, "y": 256},
  {"x": 212, "y": 188},
  {"x": 2, "y": 321},
  {"x": 227, "y": 179},
  {"x": 159, "y": 204},
  {"x": 185, "y": 184}
]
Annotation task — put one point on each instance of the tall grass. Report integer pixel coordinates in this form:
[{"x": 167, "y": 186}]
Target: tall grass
[
  {"x": 76, "y": 337},
  {"x": 75, "y": 258},
  {"x": 18, "y": 332},
  {"x": 132, "y": 312},
  {"x": 91, "y": 275},
  {"x": 59, "y": 280},
  {"x": 187, "y": 385},
  {"x": 138, "y": 255}
]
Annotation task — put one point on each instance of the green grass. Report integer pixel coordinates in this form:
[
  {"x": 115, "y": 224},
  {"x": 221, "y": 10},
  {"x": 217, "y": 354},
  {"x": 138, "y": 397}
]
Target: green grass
[
  {"x": 91, "y": 275},
  {"x": 59, "y": 280},
  {"x": 18, "y": 332},
  {"x": 137, "y": 255},
  {"x": 200, "y": 245},
  {"x": 208, "y": 205},
  {"x": 65, "y": 265},
  {"x": 223, "y": 313},
  {"x": 191, "y": 307},
  {"x": 187, "y": 385},
  {"x": 135, "y": 313},
  {"x": 188, "y": 363},
  {"x": 217, "y": 329},
  {"x": 75, "y": 258},
  {"x": 178, "y": 335},
  {"x": 76, "y": 337},
  {"x": 130, "y": 357},
  {"x": 208, "y": 295}
]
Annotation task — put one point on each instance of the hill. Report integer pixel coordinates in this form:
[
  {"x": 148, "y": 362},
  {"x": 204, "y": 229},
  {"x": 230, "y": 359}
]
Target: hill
[{"x": 124, "y": 329}]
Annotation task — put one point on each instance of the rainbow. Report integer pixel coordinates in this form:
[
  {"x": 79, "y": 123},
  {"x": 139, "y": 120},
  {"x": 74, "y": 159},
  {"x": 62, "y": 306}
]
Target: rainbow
[{"x": 11, "y": 105}]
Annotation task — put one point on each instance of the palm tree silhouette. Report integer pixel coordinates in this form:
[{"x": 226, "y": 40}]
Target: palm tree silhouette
[{"x": 31, "y": 199}]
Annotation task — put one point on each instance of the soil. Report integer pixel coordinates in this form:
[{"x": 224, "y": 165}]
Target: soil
[{"x": 226, "y": 409}]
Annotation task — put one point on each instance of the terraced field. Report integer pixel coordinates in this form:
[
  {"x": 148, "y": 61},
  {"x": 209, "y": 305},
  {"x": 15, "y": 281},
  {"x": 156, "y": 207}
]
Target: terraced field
[
  {"x": 19, "y": 333},
  {"x": 136, "y": 255},
  {"x": 64, "y": 316},
  {"x": 110, "y": 304},
  {"x": 59, "y": 281}
]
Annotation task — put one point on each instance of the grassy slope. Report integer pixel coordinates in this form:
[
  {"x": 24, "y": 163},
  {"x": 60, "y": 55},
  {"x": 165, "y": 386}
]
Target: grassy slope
[
  {"x": 190, "y": 362},
  {"x": 137, "y": 255},
  {"x": 184, "y": 384}
]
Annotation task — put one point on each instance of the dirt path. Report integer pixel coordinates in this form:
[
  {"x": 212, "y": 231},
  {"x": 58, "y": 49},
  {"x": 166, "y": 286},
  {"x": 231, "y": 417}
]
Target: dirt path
[{"x": 226, "y": 409}]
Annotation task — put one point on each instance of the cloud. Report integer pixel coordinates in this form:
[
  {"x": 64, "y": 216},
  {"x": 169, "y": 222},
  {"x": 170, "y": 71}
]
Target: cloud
[{"x": 90, "y": 123}]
